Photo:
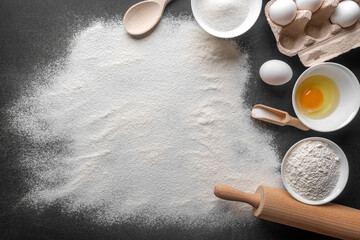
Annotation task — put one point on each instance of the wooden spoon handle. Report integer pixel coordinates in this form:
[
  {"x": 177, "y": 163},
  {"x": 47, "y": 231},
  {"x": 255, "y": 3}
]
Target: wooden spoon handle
[
  {"x": 232, "y": 194},
  {"x": 295, "y": 122},
  {"x": 162, "y": 2}
]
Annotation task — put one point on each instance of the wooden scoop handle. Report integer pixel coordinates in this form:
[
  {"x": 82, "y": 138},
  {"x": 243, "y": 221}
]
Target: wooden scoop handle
[
  {"x": 228, "y": 193},
  {"x": 295, "y": 122}
]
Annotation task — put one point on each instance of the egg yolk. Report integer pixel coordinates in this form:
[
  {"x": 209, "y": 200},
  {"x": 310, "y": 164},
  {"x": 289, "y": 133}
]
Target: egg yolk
[{"x": 311, "y": 99}]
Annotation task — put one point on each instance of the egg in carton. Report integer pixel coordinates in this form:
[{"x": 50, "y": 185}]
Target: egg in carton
[{"x": 312, "y": 36}]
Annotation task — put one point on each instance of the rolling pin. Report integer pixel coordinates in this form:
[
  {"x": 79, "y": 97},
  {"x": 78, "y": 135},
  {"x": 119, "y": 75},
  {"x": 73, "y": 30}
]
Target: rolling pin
[{"x": 278, "y": 206}]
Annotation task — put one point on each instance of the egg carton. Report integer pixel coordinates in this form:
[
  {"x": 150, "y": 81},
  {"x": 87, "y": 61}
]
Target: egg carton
[{"x": 312, "y": 36}]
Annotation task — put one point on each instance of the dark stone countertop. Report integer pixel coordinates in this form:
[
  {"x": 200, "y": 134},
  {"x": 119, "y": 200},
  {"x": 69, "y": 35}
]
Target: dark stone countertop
[{"x": 36, "y": 33}]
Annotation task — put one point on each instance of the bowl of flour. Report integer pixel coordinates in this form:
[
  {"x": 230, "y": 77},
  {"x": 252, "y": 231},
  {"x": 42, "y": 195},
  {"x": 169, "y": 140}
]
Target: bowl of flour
[
  {"x": 226, "y": 18},
  {"x": 315, "y": 170}
]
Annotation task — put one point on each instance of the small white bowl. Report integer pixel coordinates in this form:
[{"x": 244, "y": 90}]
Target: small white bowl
[
  {"x": 253, "y": 14},
  {"x": 349, "y": 101},
  {"x": 343, "y": 177}
]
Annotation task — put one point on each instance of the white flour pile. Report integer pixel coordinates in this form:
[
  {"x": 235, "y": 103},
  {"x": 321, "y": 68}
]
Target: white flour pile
[
  {"x": 223, "y": 15},
  {"x": 151, "y": 126},
  {"x": 312, "y": 170}
]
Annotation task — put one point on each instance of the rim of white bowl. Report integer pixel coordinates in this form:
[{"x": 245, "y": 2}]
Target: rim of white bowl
[
  {"x": 302, "y": 118},
  {"x": 225, "y": 34},
  {"x": 344, "y": 171}
]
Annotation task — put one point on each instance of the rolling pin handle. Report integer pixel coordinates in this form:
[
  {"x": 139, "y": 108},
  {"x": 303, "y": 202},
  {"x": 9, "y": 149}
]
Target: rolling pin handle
[{"x": 228, "y": 193}]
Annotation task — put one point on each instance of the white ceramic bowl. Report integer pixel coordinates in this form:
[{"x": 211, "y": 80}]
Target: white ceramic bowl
[
  {"x": 254, "y": 8},
  {"x": 343, "y": 178},
  {"x": 349, "y": 101}
]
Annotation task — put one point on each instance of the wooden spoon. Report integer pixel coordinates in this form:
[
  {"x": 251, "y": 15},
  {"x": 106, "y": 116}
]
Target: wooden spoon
[
  {"x": 281, "y": 118},
  {"x": 143, "y": 16}
]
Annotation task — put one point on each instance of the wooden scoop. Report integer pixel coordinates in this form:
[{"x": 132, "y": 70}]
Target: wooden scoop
[
  {"x": 280, "y": 118},
  {"x": 278, "y": 206},
  {"x": 143, "y": 16}
]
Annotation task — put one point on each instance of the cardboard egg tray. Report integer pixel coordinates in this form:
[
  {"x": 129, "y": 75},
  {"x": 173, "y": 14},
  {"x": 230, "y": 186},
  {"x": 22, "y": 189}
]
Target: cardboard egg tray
[{"x": 312, "y": 36}]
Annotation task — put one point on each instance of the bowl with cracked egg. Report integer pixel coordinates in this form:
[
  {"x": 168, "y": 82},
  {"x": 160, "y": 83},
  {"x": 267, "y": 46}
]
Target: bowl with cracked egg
[{"x": 326, "y": 97}]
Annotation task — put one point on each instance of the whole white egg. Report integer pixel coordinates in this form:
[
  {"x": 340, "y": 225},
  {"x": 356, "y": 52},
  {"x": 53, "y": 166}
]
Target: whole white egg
[
  {"x": 282, "y": 12},
  {"x": 275, "y": 72},
  {"x": 346, "y": 13},
  {"x": 311, "y": 5}
]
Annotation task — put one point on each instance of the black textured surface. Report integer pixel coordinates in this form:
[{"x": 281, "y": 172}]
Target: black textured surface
[{"x": 36, "y": 33}]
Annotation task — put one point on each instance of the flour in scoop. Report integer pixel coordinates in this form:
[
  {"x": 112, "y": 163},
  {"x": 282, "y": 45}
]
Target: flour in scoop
[
  {"x": 143, "y": 129},
  {"x": 223, "y": 15},
  {"x": 263, "y": 113},
  {"x": 312, "y": 170}
]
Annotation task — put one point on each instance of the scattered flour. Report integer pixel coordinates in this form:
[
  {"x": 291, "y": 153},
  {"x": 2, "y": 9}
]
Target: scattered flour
[
  {"x": 223, "y": 15},
  {"x": 312, "y": 170},
  {"x": 148, "y": 127}
]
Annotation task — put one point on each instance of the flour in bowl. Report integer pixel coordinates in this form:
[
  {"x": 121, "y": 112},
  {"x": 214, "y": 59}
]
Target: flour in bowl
[
  {"x": 312, "y": 170},
  {"x": 223, "y": 15}
]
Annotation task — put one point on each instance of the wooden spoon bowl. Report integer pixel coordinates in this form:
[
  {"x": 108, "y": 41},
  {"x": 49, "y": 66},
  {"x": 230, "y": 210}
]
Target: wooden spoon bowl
[{"x": 144, "y": 16}]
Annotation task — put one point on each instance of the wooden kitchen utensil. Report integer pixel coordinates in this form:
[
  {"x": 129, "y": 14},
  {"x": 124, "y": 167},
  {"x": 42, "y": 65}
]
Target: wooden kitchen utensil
[
  {"x": 278, "y": 206},
  {"x": 285, "y": 117},
  {"x": 143, "y": 16}
]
